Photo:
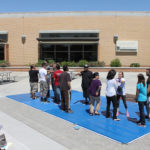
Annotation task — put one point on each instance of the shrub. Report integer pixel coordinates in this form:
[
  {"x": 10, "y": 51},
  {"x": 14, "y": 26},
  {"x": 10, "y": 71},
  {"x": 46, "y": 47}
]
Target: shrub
[
  {"x": 71, "y": 63},
  {"x": 51, "y": 61},
  {"x": 3, "y": 63},
  {"x": 96, "y": 64},
  {"x": 115, "y": 63},
  {"x": 81, "y": 63},
  {"x": 68, "y": 63},
  {"x": 64, "y": 63},
  {"x": 135, "y": 65},
  {"x": 39, "y": 64}
]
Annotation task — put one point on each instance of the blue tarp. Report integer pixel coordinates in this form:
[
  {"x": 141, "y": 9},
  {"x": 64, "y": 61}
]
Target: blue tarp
[{"x": 124, "y": 131}]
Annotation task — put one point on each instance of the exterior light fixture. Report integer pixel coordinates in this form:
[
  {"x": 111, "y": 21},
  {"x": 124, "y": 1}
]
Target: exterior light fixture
[
  {"x": 115, "y": 38},
  {"x": 23, "y": 38}
]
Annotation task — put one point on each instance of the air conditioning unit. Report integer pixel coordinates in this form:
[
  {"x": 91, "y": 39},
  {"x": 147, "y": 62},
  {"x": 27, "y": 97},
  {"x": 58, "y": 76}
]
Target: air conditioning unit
[{"x": 126, "y": 46}]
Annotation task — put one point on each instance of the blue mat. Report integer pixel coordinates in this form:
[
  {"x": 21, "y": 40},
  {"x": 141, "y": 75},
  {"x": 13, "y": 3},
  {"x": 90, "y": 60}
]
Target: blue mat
[{"x": 124, "y": 131}]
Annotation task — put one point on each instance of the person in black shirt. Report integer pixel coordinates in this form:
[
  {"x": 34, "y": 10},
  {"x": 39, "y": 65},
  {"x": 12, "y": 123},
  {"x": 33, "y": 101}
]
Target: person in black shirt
[
  {"x": 33, "y": 78},
  {"x": 87, "y": 77},
  {"x": 148, "y": 93},
  {"x": 65, "y": 87}
]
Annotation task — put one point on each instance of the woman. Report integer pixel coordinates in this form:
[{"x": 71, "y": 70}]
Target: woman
[
  {"x": 111, "y": 94},
  {"x": 94, "y": 92},
  {"x": 141, "y": 97},
  {"x": 121, "y": 92}
]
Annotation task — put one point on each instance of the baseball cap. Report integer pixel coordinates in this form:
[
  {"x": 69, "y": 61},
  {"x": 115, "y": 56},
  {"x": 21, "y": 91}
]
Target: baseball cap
[{"x": 86, "y": 66}]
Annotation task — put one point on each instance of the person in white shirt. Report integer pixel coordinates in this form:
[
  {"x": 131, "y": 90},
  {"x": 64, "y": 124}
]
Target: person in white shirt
[
  {"x": 43, "y": 82},
  {"x": 111, "y": 90},
  {"x": 121, "y": 92}
]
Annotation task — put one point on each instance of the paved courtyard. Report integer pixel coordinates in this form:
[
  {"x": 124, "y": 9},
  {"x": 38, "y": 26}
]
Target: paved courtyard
[{"x": 27, "y": 128}]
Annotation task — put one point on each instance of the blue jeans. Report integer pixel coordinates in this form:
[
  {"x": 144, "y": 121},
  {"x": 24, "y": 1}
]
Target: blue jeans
[
  {"x": 57, "y": 94},
  {"x": 141, "y": 109}
]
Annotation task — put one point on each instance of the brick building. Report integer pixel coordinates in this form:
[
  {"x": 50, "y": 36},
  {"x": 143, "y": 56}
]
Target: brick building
[{"x": 94, "y": 36}]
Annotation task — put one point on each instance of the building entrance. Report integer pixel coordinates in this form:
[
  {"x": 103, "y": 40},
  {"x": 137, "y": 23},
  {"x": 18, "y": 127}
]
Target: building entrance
[
  {"x": 68, "y": 46},
  {"x": 2, "y": 57}
]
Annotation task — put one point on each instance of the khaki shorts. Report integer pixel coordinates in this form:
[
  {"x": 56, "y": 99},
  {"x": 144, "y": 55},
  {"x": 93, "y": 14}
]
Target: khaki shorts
[
  {"x": 34, "y": 87},
  {"x": 43, "y": 87}
]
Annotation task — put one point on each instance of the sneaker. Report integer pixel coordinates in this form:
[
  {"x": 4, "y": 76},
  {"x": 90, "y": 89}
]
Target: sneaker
[
  {"x": 45, "y": 99},
  {"x": 117, "y": 119},
  {"x": 42, "y": 99},
  {"x": 91, "y": 114},
  {"x": 69, "y": 111},
  {"x": 97, "y": 113},
  {"x": 127, "y": 114},
  {"x": 86, "y": 103},
  {"x": 138, "y": 122},
  {"x": 141, "y": 125}
]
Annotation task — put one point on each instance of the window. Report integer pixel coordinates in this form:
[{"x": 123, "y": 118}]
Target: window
[
  {"x": 3, "y": 38},
  {"x": 1, "y": 52},
  {"x": 68, "y": 52},
  {"x": 54, "y": 35},
  {"x": 69, "y": 46}
]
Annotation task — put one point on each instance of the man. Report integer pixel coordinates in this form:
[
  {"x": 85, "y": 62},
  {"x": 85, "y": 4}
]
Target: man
[
  {"x": 56, "y": 76},
  {"x": 86, "y": 81},
  {"x": 33, "y": 78},
  {"x": 43, "y": 82},
  {"x": 65, "y": 87},
  {"x": 148, "y": 94},
  {"x": 52, "y": 79},
  {"x": 48, "y": 77}
]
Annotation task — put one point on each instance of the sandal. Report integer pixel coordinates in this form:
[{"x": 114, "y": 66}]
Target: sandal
[{"x": 97, "y": 113}]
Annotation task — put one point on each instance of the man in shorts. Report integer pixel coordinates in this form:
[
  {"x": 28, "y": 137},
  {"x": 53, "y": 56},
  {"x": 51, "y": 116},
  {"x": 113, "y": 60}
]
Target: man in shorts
[
  {"x": 43, "y": 83},
  {"x": 33, "y": 78}
]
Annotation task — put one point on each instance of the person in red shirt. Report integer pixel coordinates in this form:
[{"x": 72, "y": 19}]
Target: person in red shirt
[{"x": 56, "y": 76}]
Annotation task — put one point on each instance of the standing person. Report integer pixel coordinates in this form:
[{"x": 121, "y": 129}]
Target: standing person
[
  {"x": 141, "y": 97},
  {"x": 111, "y": 90},
  {"x": 43, "y": 82},
  {"x": 49, "y": 77},
  {"x": 33, "y": 77},
  {"x": 121, "y": 92},
  {"x": 148, "y": 93},
  {"x": 56, "y": 76},
  {"x": 65, "y": 87},
  {"x": 52, "y": 79},
  {"x": 94, "y": 91},
  {"x": 86, "y": 81}
]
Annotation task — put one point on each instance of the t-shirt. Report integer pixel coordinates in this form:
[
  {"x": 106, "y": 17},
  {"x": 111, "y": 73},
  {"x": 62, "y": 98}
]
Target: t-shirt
[
  {"x": 94, "y": 87},
  {"x": 111, "y": 87},
  {"x": 86, "y": 79},
  {"x": 121, "y": 84},
  {"x": 148, "y": 83},
  {"x": 56, "y": 76},
  {"x": 42, "y": 74},
  {"x": 63, "y": 80},
  {"x": 33, "y": 75},
  {"x": 142, "y": 92}
]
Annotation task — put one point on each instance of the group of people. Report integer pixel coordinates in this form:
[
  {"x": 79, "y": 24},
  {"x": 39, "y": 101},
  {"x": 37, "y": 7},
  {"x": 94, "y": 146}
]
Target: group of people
[
  {"x": 60, "y": 81},
  {"x": 91, "y": 86}
]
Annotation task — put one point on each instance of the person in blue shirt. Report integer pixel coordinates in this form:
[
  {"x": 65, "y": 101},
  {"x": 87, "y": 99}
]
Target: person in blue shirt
[{"x": 141, "y": 97}]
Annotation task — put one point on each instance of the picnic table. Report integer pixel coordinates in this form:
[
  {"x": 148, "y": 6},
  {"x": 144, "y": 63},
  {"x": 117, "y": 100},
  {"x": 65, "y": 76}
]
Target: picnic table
[{"x": 6, "y": 76}]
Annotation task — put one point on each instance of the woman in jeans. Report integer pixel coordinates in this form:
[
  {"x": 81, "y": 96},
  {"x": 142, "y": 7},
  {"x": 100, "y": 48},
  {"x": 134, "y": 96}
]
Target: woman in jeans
[
  {"x": 121, "y": 92},
  {"x": 111, "y": 89},
  {"x": 141, "y": 97}
]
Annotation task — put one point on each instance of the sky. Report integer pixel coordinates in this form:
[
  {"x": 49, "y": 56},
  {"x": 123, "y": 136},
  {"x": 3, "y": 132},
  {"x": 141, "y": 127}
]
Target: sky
[{"x": 73, "y": 5}]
